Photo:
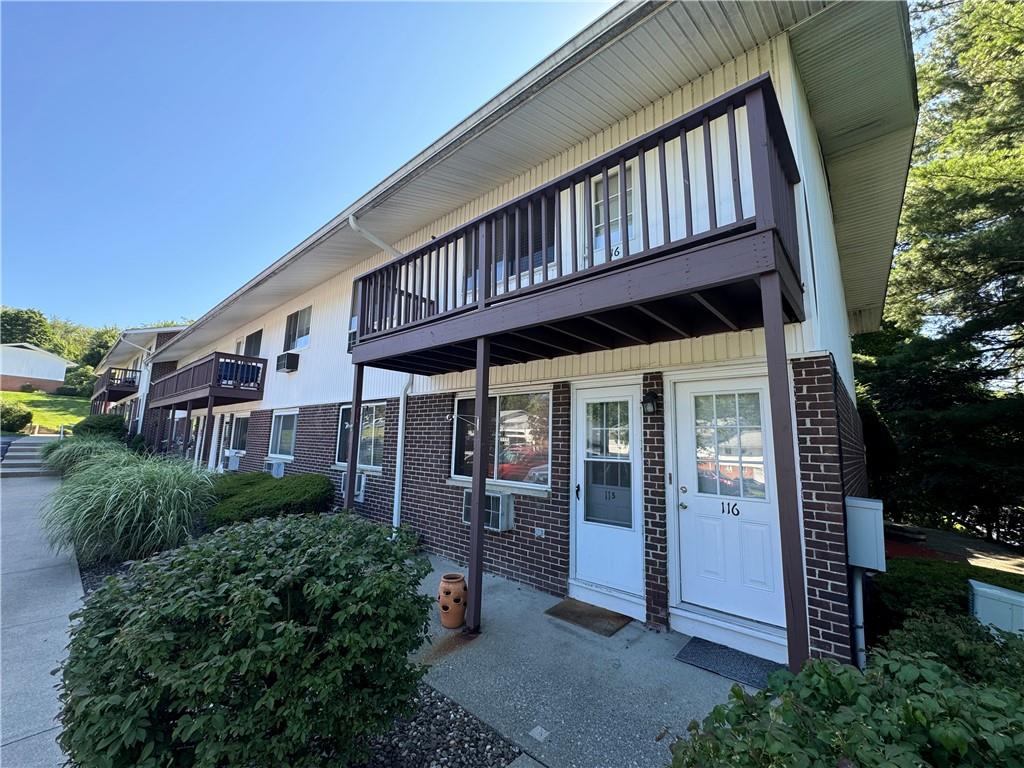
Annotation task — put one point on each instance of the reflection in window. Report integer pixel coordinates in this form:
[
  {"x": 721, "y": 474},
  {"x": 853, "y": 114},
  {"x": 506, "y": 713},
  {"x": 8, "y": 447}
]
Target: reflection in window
[
  {"x": 730, "y": 445},
  {"x": 371, "y": 435},
  {"x": 519, "y": 451}
]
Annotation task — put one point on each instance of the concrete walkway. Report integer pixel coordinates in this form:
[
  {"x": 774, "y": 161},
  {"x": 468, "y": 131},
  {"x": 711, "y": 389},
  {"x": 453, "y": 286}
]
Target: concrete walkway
[
  {"x": 568, "y": 697},
  {"x": 40, "y": 589}
]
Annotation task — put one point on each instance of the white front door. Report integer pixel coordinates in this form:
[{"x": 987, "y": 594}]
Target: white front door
[
  {"x": 607, "y": 501},
  {"x": 730, "y": 551}
]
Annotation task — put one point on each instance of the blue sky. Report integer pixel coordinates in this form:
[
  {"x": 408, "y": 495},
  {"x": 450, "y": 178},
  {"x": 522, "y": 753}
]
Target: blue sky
[{"x": 157, "y": 155}]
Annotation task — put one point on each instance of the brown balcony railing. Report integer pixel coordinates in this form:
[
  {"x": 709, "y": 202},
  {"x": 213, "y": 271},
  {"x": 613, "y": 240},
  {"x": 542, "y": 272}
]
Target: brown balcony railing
[
  {"x": 718, "y": 171},
  {"x": 121, "y": 380},
  {"x": 223, "y": 376}
]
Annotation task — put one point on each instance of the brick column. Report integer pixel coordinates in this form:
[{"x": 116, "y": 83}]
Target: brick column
[
  {"x": 831, "y": 467},
  {"x": 655, "y": 522},
  {"x": 257, "y": 441}
]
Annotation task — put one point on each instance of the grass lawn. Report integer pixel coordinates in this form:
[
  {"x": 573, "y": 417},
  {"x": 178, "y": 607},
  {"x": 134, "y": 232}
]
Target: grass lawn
[{"x": 50, "y": 411}]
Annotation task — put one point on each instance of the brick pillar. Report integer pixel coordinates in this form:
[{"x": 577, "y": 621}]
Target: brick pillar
[
  {"x": 655, "y": 522},
  {"x": 829, "y": 440}
]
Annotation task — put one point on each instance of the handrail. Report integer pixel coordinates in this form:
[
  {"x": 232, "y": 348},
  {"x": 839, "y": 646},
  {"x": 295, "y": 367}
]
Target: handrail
[
  {"x": 117, "y": 377},
  {"x": 721, "y": 169}
]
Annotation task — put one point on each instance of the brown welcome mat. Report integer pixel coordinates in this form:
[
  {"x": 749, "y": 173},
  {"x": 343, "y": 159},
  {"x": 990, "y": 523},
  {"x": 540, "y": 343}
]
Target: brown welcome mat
[{"x": 599, "y": 620}]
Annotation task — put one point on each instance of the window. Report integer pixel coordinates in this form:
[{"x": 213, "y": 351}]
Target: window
[
  {"x": 239, "y": 431},
  {"x": 730, "y": 445},
  {"x": 296, "y": 330},
  {"x": 254, "y": 341},
  {"x": 519, "y": 451},
  {"x": 600, "y": 224},
  {"x": 371, "y": 435},
  {"x": 282, "y": 435}
]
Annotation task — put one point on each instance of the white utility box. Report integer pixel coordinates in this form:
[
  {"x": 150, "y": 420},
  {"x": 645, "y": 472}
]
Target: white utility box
[
  {"x": 997, "y": 606},
  {"x": 865, "y": 533}
]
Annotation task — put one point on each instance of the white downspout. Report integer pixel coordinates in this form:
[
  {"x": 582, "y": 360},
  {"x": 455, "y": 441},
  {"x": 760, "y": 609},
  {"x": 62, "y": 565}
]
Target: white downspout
[{"x": 396, "y": 510}]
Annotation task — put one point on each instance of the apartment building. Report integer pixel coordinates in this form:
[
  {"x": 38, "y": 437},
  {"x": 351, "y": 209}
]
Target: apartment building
[{"x": 596, "y": 338}]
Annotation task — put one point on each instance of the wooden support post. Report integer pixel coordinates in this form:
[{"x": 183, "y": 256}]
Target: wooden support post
[
  {"x": 481, "y": 439},
  {"x": 353, "y": 436},
  {"x": 779, "y": 396},
  {"x": 208, "y": 436},
  {"x": 161, "y": 424},
  {"x": 188, "y": 429}
]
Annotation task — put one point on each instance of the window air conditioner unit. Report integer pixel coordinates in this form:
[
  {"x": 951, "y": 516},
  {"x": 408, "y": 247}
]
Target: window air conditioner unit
[
  {"x": 360, "y": 486},
  {"x": 275, "y": 468},
  {"x": 499, "y": 514},
  {"x": 288, "y": 362},
  {"x": 234, "y": 460}
]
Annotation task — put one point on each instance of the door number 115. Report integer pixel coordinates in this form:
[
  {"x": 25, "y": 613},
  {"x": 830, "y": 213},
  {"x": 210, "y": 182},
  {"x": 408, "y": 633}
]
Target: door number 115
[{"x": 730, "y": 508}]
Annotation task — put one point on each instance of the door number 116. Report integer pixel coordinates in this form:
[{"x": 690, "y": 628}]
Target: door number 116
[{"x": 730, "y": 508}]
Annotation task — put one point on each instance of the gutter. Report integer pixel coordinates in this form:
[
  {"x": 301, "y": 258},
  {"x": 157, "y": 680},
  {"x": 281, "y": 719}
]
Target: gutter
[{"x": 396, "y": 509}]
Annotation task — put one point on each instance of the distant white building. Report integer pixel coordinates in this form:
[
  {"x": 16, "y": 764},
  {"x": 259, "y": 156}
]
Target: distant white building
[{"x": 23, "y": 363}]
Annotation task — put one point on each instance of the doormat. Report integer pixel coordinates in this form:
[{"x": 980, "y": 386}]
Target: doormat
[
  {"x": 727, "y": 662},
  {"x": 599, "y": 620}
]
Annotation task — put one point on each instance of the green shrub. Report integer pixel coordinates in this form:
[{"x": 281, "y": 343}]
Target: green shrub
[
  {"x": 281, "y": 642},
  {"x": 977, "y": 653},
  {"x": 67, "y": 391},
  {"x": 233, "y": 483},
  {"x": 14, "y": 417},
  {"x": 138, "y": 444},
  {"x": 27, "y": 387},
  {"x": 67, "y": 455},
  {"x": 124, "y": 506},
  {"x": 926, "y": 585},
  {"x": 269, "y": 497},
  {"x": 79, "y": 381},
  {"x": 902, "y": 712},
  {"x": 101, "y": 424}
]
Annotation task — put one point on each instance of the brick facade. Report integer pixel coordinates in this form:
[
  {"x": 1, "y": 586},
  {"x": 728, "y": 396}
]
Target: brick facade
[
  {"x": 151, "y": 419},
  {"x": 432, "y": 506},
  {"x": 15, "y": 383},
  {"x": 257, "y": 442},
  {"x": 831, "y": 467},
  {"x": 655, "y": 521}
]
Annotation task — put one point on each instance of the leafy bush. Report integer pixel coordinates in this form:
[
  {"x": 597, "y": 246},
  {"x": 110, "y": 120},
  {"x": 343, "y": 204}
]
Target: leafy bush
[
  {"x": 79, "y": 381},
  {"x": 67, "y": 391},
  {"x": 28, "y": 386},
  {"x": 67, "y": 455},
  {"x": 14, "y": 417},
  {"x": 138, "y": 444},
  {"x": 925, "y": 585},
  {"x": 278, "y": 642},
  {"x": 101, "y": 424},
  {"x": 124, "y": 506},
  {"x": 233, "y": 483},
  {"x": 902, "y": 712},
  {"x": 270, "y": 497},
  {"x": 977, "y": 653}
]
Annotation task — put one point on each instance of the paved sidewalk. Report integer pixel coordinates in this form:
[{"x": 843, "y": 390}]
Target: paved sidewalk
[
  {"x": 566, "y": 696},
  {"x": 40, "y": 589}
]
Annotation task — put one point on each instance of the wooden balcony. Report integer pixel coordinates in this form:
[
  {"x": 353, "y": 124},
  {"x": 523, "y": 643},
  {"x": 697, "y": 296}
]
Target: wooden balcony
[
  {"x": 116, "y": 384},
  {"x": 708, "y": 205},
  {"x": 219, "y": 378}
]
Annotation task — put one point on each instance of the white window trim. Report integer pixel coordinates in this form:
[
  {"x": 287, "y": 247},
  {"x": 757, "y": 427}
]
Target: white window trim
[
  {"x": 310, "y": 335},
  {"x": 455, "y": 479},
  {"x": 229, "y": 451},
  {"x": 273, "y": 421},
  {"x": 368, "y": 469}
]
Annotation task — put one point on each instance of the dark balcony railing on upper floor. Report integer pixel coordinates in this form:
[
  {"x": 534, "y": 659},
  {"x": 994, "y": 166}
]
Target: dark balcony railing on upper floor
[
  {"x": 225, "y": 377},
  {"x": 117, "y": 383},
  {"x": 718, "y": 171}
]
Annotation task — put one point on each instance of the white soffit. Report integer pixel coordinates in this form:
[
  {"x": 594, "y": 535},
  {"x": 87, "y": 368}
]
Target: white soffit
[
  {"x": 857, "y": 68},
  {"x": 633, "y": 55}
]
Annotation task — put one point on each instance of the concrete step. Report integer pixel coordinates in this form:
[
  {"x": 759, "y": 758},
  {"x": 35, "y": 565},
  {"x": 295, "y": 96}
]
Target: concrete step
[
  {"x": 13, "y": 473},
  {"x": 20, "y": 462}
]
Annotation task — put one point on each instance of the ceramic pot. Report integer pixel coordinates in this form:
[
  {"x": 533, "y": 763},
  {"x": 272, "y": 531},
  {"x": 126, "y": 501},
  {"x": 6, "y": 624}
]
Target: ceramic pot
[{"x": 451, "y": 600}]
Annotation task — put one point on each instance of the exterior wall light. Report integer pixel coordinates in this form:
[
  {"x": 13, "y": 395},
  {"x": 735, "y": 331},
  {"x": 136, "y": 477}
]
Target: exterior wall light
[{"x": 650, "y": 403}]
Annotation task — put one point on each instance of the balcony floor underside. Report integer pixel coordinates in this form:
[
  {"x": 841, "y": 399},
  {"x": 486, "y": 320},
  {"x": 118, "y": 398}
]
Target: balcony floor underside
[
  {"x": 200, "y": 398},
  {"x": 711, "y": 289},
  {"x": 115, "y": 394}
]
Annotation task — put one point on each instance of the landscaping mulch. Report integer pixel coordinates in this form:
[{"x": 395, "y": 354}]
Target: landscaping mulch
[
  {"x": 441, "y": 734},
  {"x": 93, "y": 575}
]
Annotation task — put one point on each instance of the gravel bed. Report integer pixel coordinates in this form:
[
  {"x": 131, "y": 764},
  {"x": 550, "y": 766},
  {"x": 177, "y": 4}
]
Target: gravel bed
[
  {"x": 94, "y": 575},
  {"x": 440, "y": 734}
]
